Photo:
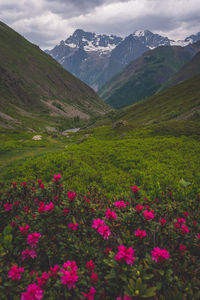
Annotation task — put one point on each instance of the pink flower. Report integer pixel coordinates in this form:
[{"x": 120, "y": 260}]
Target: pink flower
[
  {"x": 49, "y": 207},
  {"x": 94, "y": 278},
  {"x": 90, "y": 295},
  {"x": 41, "y": 207},
  {"x": 125, "y": 298},
  {"x": 180, "y": 220},
  {"x": 28, "y": 253},
  {"x": 125, "y": 254},
  {"x": 186, "y": 214},
  {"x": 104, "y": 231},
  {"x": 24, "y": 229},
  {"x": 65, "y": 211},
  {"x": 194, "y": 222},
  {"x": 140, "y": 233},
  {"x": 15, "y": 273},
  {"x": 162, "y": 221},
  {"x": 54, "y": 271},
  {"x": 70, "y": 276},
  {"x": 32, "y": 239},
  {"x": 139, "y": 207},
  {"x": 8, "y": 206},
  {"x": 184, "y": 229},
  {"x": 110, "y": 214},
  {"x": 158, "y": 255},
  {"x": 39, "y": 181},
  {"x": 90, "y": 266},
  {"x": 71, "y": 195},
  {"x": 43, "y": 279},
  {"x": 119, "y": 204},
  {"x": 42, "y": 186},
  {"x": 14, "y": 184},
  {"x": 107, "y": 251},
  {"x": 97, "y": 223},
  {"x": 33, "y": 292},
  {"x": 182, "y": 248},
  {"x": 176, "y": 225},
  {"x": 148, "y": 215},
  {"x": 73, "y": 226},
  {"x": 135, "y": 189},
  {"x": 56, "y": 177}
]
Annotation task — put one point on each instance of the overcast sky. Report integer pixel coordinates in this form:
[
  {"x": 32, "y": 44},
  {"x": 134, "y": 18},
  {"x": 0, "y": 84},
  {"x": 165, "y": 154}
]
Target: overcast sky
[{"x": 46, "y": 22}]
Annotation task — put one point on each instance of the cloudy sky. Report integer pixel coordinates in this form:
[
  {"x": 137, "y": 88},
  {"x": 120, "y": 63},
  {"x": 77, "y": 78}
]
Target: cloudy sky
[{"x": 46, "y": 22}]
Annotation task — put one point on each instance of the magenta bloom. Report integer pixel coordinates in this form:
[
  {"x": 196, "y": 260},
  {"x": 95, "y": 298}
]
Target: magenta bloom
[
  {"x": 139, "y": 207},
  {"x": 28, "y": 254},
  {"x": 162, "y": 221},
  {"x": 41, "y": 207},
  {"x": 184, "y": 229},
  {"x": 158, "y": 255},
  {"x": 104, "y": 231},
  {"x": 119, "y": 204},
  {"x": 32, "y": 239},
  {"x": 69, "y": 272},
  {"x": 125, "y": 298},
  {"x": 8, "y": 206},
  {"x": 125, "y": 254},
  {"x": 56, "y": 177},
  {"x": 198, "y": 235},
  {"x": 90, "y": 295},
  {"x": 181, "y": 221},
  {"x": 135, "y": 189},
  {"x": 94, "y": 278},
  {"x": 97, "y": 223},
  {"x": 33, "y": 292},
  {"x": 43, "y": 279},
  {"x": 110, "y": 214},
  {"x": 15, "y": 273},
  {"x": 65, "y": 211},
  {"x": 73, "y": 226},
  {"x": 49, "y": 207},
  {"x": 148, "y": 215},
  {"x": 182, "y": 248},
  {"x": 54, "y": 271},
  {"x": 24, "y": 229},
  {"x": 71, "y": 195},
  {"x": 186, "y": 214},
  {"x": 90, "y": 265},
  {"x": 140, "y": 233}
]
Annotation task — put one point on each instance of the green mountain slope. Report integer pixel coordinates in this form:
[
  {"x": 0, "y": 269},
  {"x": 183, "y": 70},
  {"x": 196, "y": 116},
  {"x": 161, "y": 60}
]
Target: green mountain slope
[
  {"x": 189, "y": 70},
  {"x": 181, "y": 102},
  {"x": 35, "y": 90},
  {"x": 144, "y": 76}
]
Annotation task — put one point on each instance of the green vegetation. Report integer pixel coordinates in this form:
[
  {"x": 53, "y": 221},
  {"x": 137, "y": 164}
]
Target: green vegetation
[{"x": 144, "y": 76}]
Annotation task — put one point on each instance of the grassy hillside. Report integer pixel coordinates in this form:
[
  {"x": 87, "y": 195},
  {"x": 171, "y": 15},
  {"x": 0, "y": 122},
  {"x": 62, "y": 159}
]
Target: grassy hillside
[
  {"x": 188, "y": 71},
  {"x": 35, "y": 90},
  {"x": 144, "y": 76},
  {"x": 181, "y": 102}
]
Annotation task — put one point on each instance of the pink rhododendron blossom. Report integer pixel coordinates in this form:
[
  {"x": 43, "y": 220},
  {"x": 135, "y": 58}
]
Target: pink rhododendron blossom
[
  {"x": 49, "y": 207},
  {"x": 181, "y": 220},
  {"x": 70, "y": 276},
  {"x": 125, "y": 254},
  {"x": 124, "y": 298},
  {"x": 148, "y": 215},
  {"x": 139, "y": 207},
  {"x": 41, "y": 207},
  {"x": 8, "y": 206},
  {"x": 16, "y": 203},
  {"x": 90, "y": 295},
  {"x": 177, "y": 225},
  {"x": 97, "y": 223},
  {"x": 140, "y": 233},
  {"x": 54, "y": 271},
  {"x": 94, "y": 278},
  {"x": 107, "y": 251},
  {"x": 32, "y": 239},
  {"x": 14, "y": 184},
  {"x": 158, "y": 255},
  {"x": 43, "y": 279},
  {"x": 56, "y": 178},
  {"x": 104, "y": 231},
  {"x": 71, "y": 195},
  {"x": 42, "y": 186},
  {"x": 28, "y": 254},
  {"x": 24, "y": 229},
  {"x": 135, "y": 189},
  {"x": 119, "y": 204},
  {"x": 184, "y": 229},
  {"x": 15, "y": 273},
  {"x": 33, "y": 292},
  {"x": 73, "y": 226},
  {"x": 90, "y": 265},
  {"x": 186, "y": 214},
  {"x": 65, "y": 211},
  {"x": 182, "y": 248},
  {"x": 162, "y": 221},
  {"x": 23, "y": 183},
  {"x": 194, "y": 222},
  {"x": 110, "y": 214}
]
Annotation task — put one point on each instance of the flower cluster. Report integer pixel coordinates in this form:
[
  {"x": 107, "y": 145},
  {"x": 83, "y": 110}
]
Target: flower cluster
[
  {"x": 110, "y": 214},
  {"x": 44, "y": 207},
  {"x": 120, "y": 204},
  {"x": 15, "y": 273},
  {"x": 140, "y": 233},
  {"x": 33, "y": 292},
  {"x": 69, "y": 271},
  {"x": 158, "y": 255},
  {"x": 148, "y": 215},
  {"x": 125, "y": 254},
  {"x": 28, "y": 254},
  {"x": 101, "y": 228},
  {"x": 32, "y": 239}
]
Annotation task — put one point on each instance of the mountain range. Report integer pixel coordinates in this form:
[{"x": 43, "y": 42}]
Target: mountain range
[{"x": 96, "y": 58}]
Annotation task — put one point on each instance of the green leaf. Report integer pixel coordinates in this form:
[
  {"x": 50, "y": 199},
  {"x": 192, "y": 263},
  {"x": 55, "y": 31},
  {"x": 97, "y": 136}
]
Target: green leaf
[{"x": 150, "y": 292}]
